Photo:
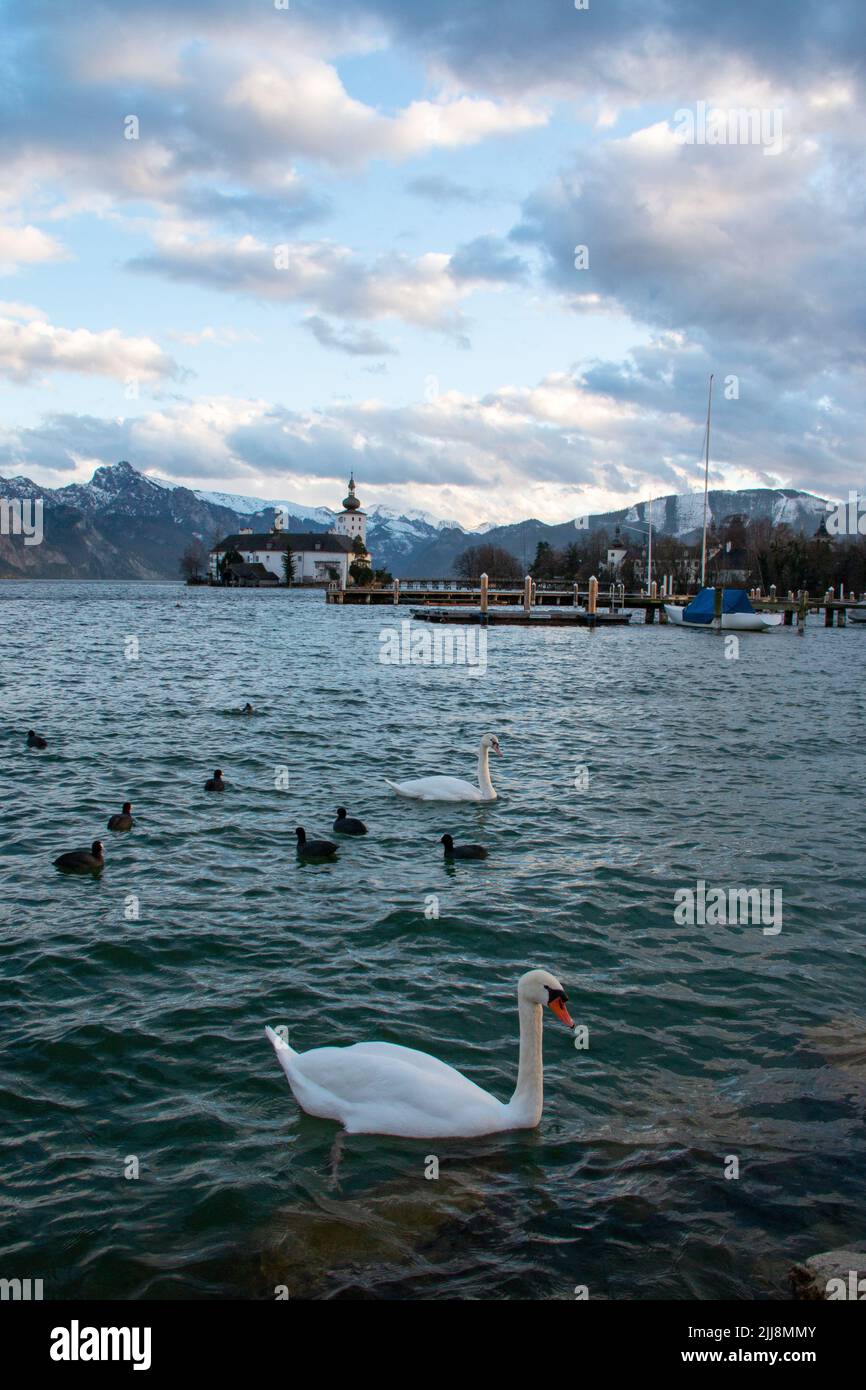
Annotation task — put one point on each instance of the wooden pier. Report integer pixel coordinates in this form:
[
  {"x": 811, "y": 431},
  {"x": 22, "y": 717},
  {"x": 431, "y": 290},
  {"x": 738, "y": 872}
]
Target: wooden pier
[
  {"x": 450, "y": 593},
  {"x": 486, "y": 599}
]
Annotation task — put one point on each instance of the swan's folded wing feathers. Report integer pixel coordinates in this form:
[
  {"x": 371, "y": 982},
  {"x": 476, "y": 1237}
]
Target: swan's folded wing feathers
[
  {"x": 437, "y": 789},
  {"x": 368, "y": 1077}
]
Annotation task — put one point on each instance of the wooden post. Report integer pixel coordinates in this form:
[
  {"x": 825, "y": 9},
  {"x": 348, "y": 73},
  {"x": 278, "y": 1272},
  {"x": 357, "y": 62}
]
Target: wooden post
[
  {"x": 534, "y": 593},
  {"x": 592, "y": 601},
  {"x": 841, "y": 617},
  {"x": 576, "y": 595},
  {"x": 789, "y": 617},
  {"x": 484, "y": 595},
  {"x": 396, "y": 591},
  {"x": 527, "y": 593},
  {"x": 649, "y": 613},
  {"x": 654, "y": 589},
  {"x": 720, "y": 603}
]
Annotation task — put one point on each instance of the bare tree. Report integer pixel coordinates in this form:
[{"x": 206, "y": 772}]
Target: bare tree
[
  {"x": 491, "y": 560},
  {"x": 193, "y": 561}
]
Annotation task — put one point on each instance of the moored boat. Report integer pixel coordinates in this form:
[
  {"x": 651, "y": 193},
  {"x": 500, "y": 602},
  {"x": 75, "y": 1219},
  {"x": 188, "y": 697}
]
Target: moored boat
[{"x": 738, "y": 615}]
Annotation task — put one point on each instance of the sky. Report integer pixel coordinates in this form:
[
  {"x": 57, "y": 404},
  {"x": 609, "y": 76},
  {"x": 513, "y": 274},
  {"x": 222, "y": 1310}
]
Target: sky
[{"x": 485, "y": 255}]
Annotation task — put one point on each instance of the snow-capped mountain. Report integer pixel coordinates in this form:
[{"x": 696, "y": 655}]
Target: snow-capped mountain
[
  {"x": 124, "y": 524},
  {"x": 246, "y": 506}
]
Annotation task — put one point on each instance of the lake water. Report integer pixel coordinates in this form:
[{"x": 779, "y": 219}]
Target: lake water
[{"x": 140, "y": 1042}]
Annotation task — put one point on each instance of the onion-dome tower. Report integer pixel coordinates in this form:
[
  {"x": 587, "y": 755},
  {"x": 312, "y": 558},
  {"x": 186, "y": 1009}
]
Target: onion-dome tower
[{"x": 352, "y": 520}]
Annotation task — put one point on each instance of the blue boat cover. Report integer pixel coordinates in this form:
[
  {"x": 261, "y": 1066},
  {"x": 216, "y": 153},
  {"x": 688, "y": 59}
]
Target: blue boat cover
[{"x": 703, "y": 608}]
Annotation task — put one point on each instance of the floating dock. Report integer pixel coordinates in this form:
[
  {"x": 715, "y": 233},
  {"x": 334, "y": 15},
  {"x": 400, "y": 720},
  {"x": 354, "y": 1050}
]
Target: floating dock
[{"x": 518, "y": 618}]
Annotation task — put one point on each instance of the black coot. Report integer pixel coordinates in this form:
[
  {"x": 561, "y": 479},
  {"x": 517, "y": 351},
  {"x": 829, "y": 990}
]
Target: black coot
[
  {"x": 123, "y": 820},
  {"x": 35, "y": 740},
  {"x": 215, "y": 783},
  {"x": 83, "y": 861},
  {"x": 453, "y": 851},
  {"x": 313, "y": 849},
  {"x": 348, "y": 825}
]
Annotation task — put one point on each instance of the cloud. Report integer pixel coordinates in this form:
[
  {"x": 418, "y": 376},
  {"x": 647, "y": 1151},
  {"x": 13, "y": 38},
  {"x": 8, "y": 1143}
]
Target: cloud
[
  {"x": 302, "y": 105},
  {"x": 29, "y": 349},
  {"x": 27, "y": 246},
  {"x": 622, "y": 51},
  {"x": 218, "y": 337},
  {"x": 598, "y": 436},
  {"x": 425, "y": 291},
  {"x": 757, "y": 257},
  {"x": 487, "y": 258},
  {"x": 443, "y": 190},
  {"x": 226, "y": 99},
  {"x": 362, "y": 344}
]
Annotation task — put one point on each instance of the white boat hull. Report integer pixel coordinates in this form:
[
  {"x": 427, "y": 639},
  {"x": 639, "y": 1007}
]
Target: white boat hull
[{"x": 731, "y": 622}]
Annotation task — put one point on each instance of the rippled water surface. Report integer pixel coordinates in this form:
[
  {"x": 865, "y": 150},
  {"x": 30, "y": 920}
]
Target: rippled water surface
[{"x": 143, "y": 1039}]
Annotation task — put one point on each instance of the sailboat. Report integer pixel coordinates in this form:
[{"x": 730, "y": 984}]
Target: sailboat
[{"x": 737, "y": 614}]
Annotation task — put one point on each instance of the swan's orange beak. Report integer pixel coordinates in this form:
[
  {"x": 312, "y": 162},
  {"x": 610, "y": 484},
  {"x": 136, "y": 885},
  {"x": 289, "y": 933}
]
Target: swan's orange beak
[{"x": 562, "y": 1012}]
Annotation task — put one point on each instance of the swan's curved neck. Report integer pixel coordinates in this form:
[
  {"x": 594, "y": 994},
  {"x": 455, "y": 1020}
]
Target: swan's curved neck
[
  {"x": 528, "y": 1099},
  {"x": 484, "y": 782}
]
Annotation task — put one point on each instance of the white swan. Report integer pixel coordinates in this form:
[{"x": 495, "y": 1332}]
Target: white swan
[
  {"x": 455, "y": 788},
  {"x": 382, "y": 1088}
]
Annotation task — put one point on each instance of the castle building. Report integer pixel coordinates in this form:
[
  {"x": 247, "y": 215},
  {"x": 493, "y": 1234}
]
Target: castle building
[{"x": 317, "y": 557}]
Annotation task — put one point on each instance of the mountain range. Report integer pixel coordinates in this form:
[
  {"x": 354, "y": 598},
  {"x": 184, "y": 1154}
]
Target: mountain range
[{"x": 124, "y": 524}]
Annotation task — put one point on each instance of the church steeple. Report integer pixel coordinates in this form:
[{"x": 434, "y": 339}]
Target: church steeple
[
  {"x": 351, "y": 502},
  {"x": 352, "y": 520}
]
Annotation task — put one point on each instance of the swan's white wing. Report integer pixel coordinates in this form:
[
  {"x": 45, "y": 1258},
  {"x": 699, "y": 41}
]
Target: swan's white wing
[
  {"x": 438, "y": 789},
  {"x": 382, "y": 1088}
]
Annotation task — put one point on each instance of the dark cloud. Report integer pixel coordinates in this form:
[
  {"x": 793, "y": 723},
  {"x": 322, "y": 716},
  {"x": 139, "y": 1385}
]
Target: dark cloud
[
  {"x": 362, "y": 343},
  {"x": 624, "y": 48},
  {"x": 443, "y": 190},
  {"x": 487, "y": 258}
]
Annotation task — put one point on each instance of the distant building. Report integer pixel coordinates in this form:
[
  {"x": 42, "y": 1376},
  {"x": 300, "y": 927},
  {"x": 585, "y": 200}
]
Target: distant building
[
  {"x": 250, "y": 576},
  {"x": 617, "y": 555},
  {"x": 733, "y": 565},
  {"x": 318, "y": 557}
]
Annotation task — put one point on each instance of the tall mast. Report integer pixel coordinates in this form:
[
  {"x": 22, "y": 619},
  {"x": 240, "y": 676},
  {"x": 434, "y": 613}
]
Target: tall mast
[
  {"x": 649, "y": 562},
  {"x": 706, "y": 485}
]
